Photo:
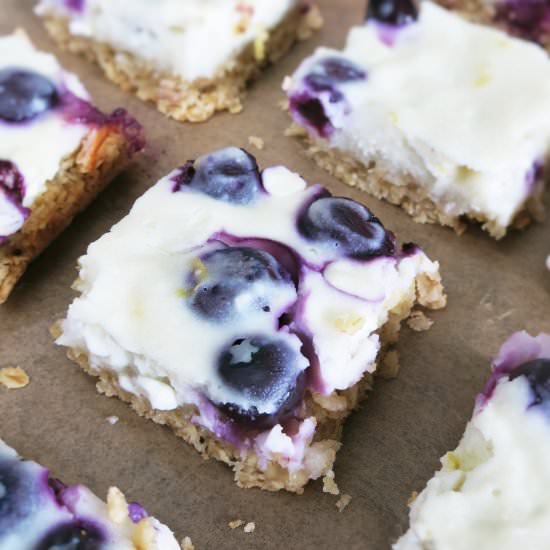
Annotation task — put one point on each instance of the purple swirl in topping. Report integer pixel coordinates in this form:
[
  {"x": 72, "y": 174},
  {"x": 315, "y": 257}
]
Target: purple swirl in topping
[
  {"x": 75, "y": 5},
  {"x": 12, "y": 191},
  {"x": 529, "y": 19}
]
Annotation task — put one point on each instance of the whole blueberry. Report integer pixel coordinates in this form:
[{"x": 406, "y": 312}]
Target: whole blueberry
[
  {"x": 392, "y": 12},
  {"x": 346, "y": 228},
  {"x": 528, "y": 19},
  {"x": 268, "y": 373},
  {"x": 309, "y": 109},
  {"x": 20, "y": 492},
  {"x": 230, "y": 282},
  {"x": 231, "y": 175},
  {"x": 76, "y": 535},
  {"x": 25, "y": 94},
  {"x": 537, "y": 373},
  {"x": 328, "y": 73}
]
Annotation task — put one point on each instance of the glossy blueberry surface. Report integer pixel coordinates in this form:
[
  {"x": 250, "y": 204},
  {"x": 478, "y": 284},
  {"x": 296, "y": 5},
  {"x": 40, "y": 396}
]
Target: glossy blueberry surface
[
  {"x": 265, "y": 371},
  {"x": 346, "y": 227},
  {"x": 72, "y": 536},
  {"x": 328, "y": 73},
  {"x": 230, "y": 282},
  {"x": 231, "y": 175},
  {"x": 392, "y": 12},
  {"x": 537, "y": 373},
  {"x": 20, "y": 493},
  {"x": 309, "y": 110},
  {"x": 25, "y": 94}
]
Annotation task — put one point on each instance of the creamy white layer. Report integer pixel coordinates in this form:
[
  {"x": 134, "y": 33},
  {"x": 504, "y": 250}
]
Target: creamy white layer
[
  {"x": 192, "y": 39},
  {"x": 132, "y": 318},
  {"x": 35, "y": 147},
  {"x": 492, "y": 490},
  {"x": 464, "y": 109}
]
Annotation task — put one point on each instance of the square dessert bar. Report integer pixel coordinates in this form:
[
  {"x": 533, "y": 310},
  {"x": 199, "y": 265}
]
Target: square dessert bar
[
  {"x": 247, "y": 311},
  {"x": 57, "y": 152},
  {"x": 38, "y": 512},
  {"x": 527, "y": 19},
  {"x": 446, "y": 118},
  {"x": 492, "y": 490},
  {"x": 191, "y": 58}
]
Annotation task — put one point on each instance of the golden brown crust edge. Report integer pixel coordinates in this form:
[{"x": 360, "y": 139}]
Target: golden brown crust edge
[
  {"x": 407, "y": 193},
  {"x": 103, "y": 153},
  {"x": 182, "y": 100},
  {"x": 329, "y": 411}
]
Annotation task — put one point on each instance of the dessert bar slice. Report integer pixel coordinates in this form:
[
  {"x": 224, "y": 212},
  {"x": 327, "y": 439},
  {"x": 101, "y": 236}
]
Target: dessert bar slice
[
  {"x": 246, "y": 311},
  {"x": 492, "y": 490},
  {"x": 57, "y": 152},
  {"x": 449, "y": 119},
  {"x": 191, "y": 58},
  {"x": 528, "y": 19},
  {"x": 38, "y": 512}
]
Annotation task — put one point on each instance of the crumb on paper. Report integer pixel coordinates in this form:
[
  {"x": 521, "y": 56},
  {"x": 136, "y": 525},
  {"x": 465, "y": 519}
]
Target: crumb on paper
[
  {"x": 343, "y": 502},
  {"x": 117, "y": 507},
  {"x": 419, "y": 321},
  {"x": 312, "y": 21},
  {"x": 187, "y": 544},
  {"x": 112, "y": 420},
  {"x": 389, "y": 368},
  {"x": 235, "y": 109},
  {"x": 329, "y": 484},
  {"x": 287, "y": 84},
  {"x": 284, "y": 104},
  {"x": 235, "y": 523},
  {"x": 13, "y": 378},
  {"x": 257, "y": 142},
  {"x": 548, "y": 263},
  {"x": 295, "y": 130},
  {"x": 249, "y": 527}
]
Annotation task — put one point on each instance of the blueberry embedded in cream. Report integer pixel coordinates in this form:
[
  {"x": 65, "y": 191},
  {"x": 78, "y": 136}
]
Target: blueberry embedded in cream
[
  {"x": 392, "y": 12},
  {"x": 446, "y": 145},
  {"x": 491, "y": 490},
  {"x": 234, "y": 300},
  {"x": 38, "y": 512},
  {"x": 75, "y": 148},
  {"x": 182, "y": 69}
]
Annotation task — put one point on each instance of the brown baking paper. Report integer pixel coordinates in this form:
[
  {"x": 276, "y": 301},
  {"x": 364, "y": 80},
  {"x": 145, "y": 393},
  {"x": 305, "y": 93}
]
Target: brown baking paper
[{"x": 391, "y": 446}]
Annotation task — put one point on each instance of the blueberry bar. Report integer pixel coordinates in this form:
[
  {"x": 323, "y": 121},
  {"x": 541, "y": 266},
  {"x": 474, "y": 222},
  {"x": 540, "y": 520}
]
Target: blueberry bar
[
  {"x": 38, "y": 512},
  {"x": 247, "y": 311},
  {"x": 527, "y": 19},
  {"x": 444, "y": 117},
  {"x": 57, "y": 152},
  {"x": 492, "y": 490},
  {"x": 190, "y": 58}
]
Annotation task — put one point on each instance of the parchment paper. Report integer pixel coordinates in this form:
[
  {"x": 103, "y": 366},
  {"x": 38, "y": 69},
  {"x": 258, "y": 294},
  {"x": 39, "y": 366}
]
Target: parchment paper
[{"x": 391, "y": 446}]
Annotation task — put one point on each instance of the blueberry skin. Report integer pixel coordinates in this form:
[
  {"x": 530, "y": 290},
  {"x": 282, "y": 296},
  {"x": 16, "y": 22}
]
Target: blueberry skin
[
  {"x": 76, "y": 535},
  {"x": 12, "y": 181},
  {"x": 528, "y": 19},
  {"x": 345, "y": 226},
  {"x": 230, "y": 175},
  {"x": 310, "y": 109},
  {"x": 230, "y": 273},
  {"x": 25, "y": 94},
  {"x": 332, "y": 71},
  {"x": 537, "y": 373},
  {"x": 392, "y": 12},
  {"x": 267, "y": 374}
]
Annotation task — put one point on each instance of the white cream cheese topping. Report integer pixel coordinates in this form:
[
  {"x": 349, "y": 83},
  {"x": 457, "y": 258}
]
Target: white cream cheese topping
[
  {"x": 464, "y": 109},
  {"x": 492, "y": 490},
  {"x": 191, "y": 39},
  {"x": 35, "y": 147}
]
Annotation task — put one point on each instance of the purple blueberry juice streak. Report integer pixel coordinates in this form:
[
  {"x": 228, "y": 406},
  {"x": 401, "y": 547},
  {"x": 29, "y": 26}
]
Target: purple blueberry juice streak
[
  {"x": 136, "y": 512},
  {"x": 529, "y": 19},
  {"x": 75, "y": 5}
]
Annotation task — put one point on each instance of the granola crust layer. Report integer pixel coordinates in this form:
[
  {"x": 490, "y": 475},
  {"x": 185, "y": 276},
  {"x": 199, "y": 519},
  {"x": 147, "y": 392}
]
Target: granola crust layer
[
  {"x": 329, "y": 411},
  {"x": 180, "y": 99},
  {"x": 81, "y": 176},
  {"x": 406, "y": 192}
]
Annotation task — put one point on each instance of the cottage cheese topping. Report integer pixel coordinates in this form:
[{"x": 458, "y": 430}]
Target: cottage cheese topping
[
  {"x": 192, "y": 39},
  {"x": 491, "y": 492},
  {"x": 35, "y": 147},
  {"x": 462, "y": 108}
]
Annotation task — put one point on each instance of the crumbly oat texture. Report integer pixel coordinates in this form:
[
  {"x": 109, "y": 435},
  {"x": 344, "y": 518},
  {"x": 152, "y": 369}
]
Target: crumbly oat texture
[
  {"x": 81, "y": 176},
  {"x": 182, "y": 100},
  {"x": 405, "y": 192},
  {"x": 329, "y": 411},
  {"x": 13, "y": 378}
]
